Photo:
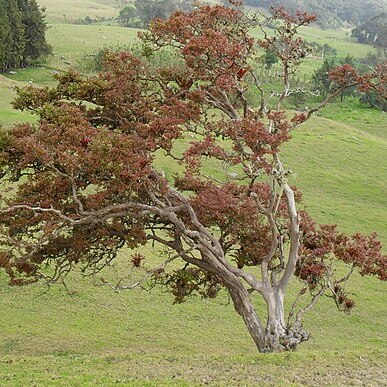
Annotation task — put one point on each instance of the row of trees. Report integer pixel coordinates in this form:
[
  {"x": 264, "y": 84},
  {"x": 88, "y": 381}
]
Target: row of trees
[
  {"x": 142, "y": 12},
  {"x": 323, "y": 84},
  {"x": 22, "y": 33}
]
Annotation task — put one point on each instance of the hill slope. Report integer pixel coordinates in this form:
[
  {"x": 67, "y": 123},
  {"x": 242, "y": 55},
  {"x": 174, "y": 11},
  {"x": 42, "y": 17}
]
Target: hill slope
[{"x": 68, "y": 10}]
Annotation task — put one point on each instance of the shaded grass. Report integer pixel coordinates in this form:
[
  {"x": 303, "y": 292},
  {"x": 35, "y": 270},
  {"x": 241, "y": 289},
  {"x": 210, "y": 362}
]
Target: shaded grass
[{"x": 33, "y": 75}]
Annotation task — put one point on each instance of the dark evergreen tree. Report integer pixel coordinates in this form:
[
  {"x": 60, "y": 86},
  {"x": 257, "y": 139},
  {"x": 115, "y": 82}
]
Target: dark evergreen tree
[
  {"x": 5, "y": 37},
  {"x": 320, "y": 77},
  {"x": 18, "y": 41},
  {"x": 269, "y": 59},
  {"x": 22, "y": 33},
  {"x": 35, "y": 28}
]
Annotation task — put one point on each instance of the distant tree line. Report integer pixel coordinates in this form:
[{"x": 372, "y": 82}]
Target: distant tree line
[
  {"x": 22, "y": 33},
  {"x": 87, "y": 20},
  {"x": 331, "y": 13},
  {"x": 140, "y": 13},
  {"x": 373, "y": 31}
]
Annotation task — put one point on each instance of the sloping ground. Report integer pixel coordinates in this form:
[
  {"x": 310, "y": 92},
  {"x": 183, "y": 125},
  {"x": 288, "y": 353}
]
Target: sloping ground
[
  {"x": 342, "y": 171},
  {"x": 68, "y": 10},
  {"x": 96, "y": 336},
  {"x": 8, "y": 115}
]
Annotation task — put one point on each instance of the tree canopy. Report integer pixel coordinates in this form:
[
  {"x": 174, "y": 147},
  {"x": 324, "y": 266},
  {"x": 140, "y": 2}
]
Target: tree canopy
[
  {"x": 142, "y": 12},
  {"x": 22, "y": 33},
  {"x": 85, "y": 182}
]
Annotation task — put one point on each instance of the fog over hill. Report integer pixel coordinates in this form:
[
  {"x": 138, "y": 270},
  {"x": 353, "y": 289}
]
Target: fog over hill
[{"x": 331, "y": 13}]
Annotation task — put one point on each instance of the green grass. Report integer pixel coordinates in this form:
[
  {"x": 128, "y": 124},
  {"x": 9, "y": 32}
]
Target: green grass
[
  {"x": 98, "y": 336},
  {"x": 8, "y": 115},
  {"x": 72, "y": 42},
  {"x": 72, "y": 10},
  {"x": 340, "y": 39},
  {"x": 35, "y": 75},
  {"x": 343, "y": 167}
]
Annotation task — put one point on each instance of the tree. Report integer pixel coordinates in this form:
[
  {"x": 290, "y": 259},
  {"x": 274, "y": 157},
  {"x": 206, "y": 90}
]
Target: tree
[
  {"x": 18, "y": 39},
  {"x": 35, "y": 31},
  {"x": 373, "y": 31},
  {"x": 371, "y": 60},
  {"x": 269, "y": 59},
  {"x": 86, "y": 183},
  {"x": 321, "y": 79},
  {"x": 147, "y": 10},
  {"x": 126, "y": 16},
  {"x": 5, "y": 37},
  {"x": 22, "y": 33}
]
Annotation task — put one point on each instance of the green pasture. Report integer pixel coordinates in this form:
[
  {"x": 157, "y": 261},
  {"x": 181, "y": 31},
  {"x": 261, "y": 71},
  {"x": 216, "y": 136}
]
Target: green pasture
[
  {"x": 91, "y": 335},
  {"x": 341, "y": 169},
  {"x": 69, "y": 10},
  {"x": 8, "y": 115},
  {"x": 72, "y": 42},
  {"x": 340, "y": 39}
]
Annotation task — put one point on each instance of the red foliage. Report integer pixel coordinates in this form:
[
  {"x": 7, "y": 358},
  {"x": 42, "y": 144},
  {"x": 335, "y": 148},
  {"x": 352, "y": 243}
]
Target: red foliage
[
  {"x": 321, "y": 245},
  {"x": 137, "y": 259},
  {"x": 213, "y": 41}
]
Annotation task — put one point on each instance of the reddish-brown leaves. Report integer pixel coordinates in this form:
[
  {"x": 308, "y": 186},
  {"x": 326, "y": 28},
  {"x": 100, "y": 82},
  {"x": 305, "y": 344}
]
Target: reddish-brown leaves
[
  {"x": 322, "y": 245},
  {"x": 212, "y": 40}
]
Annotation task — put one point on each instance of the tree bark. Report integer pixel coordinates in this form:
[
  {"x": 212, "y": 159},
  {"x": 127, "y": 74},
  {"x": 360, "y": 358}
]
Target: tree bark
[
  {"x": 277, "y": 337},
  {"x": 280, "y": 337},
  {"x": 275, "y": 327},
  {"x": 243, "y": 305}
]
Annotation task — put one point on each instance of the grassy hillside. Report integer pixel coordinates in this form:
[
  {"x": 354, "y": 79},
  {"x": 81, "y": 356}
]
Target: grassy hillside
[
  {"x": 101, "y": 337},
  {"x": 8, "y": 115},
  {"x": 341, "y": 163},
  {"x": 93, "y": 335},
  {"x": 60, "y": 11}
]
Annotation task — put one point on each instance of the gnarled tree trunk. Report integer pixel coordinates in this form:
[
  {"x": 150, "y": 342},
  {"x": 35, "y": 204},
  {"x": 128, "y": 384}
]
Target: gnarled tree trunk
[
  {"x": 243, "y": 305},
  {"x": 277, "y": 336}
]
